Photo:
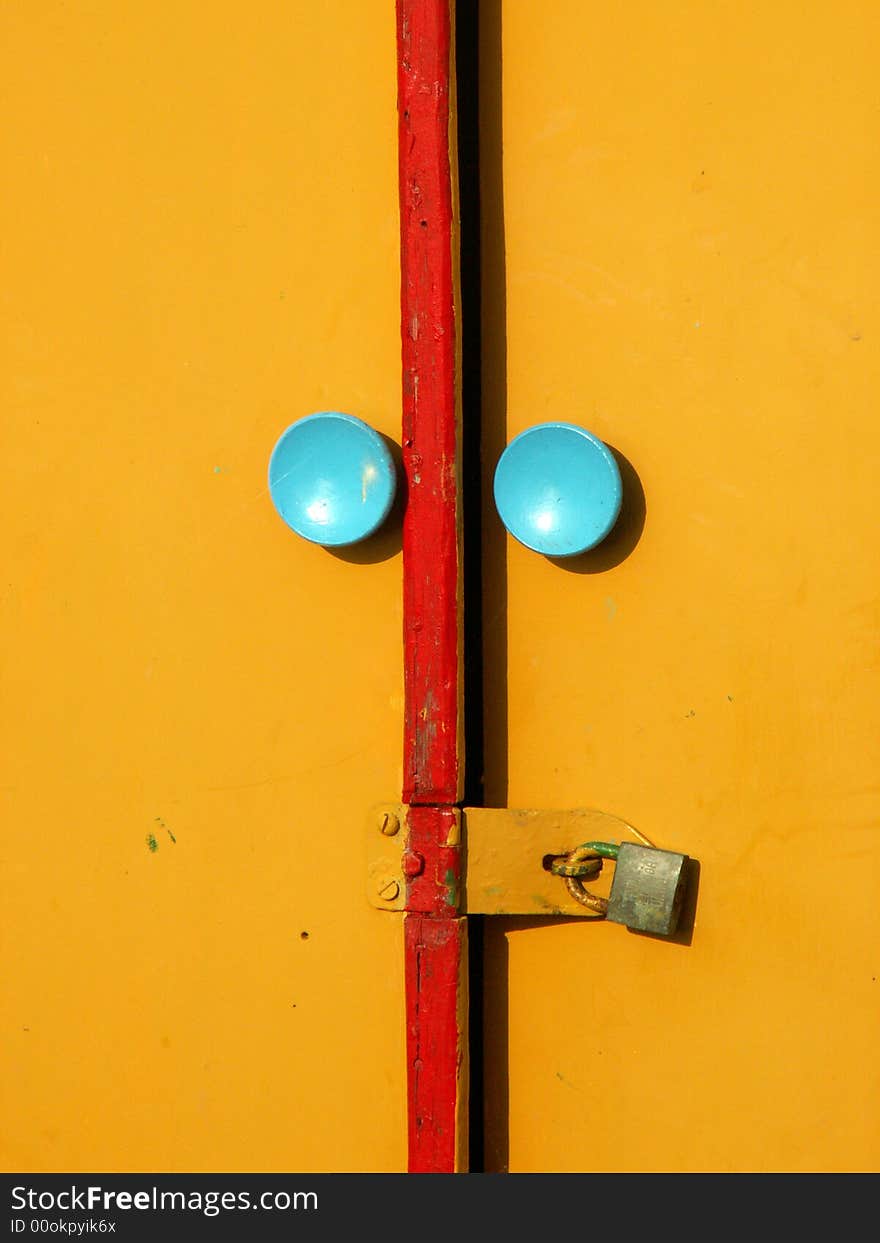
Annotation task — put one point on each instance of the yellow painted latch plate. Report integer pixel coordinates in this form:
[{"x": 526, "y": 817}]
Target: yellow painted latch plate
[
  {"x": 504, "y": 853},
  {"x": 386, "y": 842}
]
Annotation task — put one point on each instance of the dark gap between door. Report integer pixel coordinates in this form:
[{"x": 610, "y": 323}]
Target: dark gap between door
[
  {"x": 467, "y": 87},
  {"x": 484, "y": 432}
]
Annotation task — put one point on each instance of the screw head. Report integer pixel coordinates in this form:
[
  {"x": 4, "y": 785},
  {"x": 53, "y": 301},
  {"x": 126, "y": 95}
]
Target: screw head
[
  {"x": 413, "y": 863},
  {"x": 387, "y": 889},
  {"x": 389, "y": 824}
]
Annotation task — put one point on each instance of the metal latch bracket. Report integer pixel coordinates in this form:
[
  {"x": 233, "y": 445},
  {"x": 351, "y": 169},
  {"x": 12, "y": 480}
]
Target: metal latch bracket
[{"x": 504, "y": 857}]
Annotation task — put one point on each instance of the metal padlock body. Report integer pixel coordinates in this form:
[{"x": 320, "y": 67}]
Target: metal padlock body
[{"x": 648, "y": 889}]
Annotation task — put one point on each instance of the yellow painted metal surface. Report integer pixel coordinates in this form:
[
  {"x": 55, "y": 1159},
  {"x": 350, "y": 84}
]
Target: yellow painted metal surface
[
  {"x": 508, "y": 850},
  {"x": 200, "y": 245},
  {"x": 680, "y": 253},
  {"x": 385, "y": 840}
]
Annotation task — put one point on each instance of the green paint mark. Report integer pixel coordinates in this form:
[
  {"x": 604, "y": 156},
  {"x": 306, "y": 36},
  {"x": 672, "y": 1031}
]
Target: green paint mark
[
  {"x": 216, "y": 470},
  {"x": 163, "y": 825},
  {"x": 152, "y": 843},
  {"x": 451, "y": 883}
]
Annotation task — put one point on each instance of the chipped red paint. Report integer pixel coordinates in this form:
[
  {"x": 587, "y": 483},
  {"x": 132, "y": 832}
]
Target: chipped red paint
[
  {"x": 436, "y": 941},
  {"x": 432, "y": 862},
  {"x": 430, "y": 526},
  {"x": 435, "y": 1043}
]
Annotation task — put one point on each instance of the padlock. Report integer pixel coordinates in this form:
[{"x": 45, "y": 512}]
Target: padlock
[{"x": 648, "y": 889}]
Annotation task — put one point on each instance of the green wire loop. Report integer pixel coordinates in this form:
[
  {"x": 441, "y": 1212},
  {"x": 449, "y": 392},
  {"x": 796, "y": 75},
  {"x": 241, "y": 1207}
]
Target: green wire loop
[
  {"x": 606, "y": 850},
  {"x": 591, "y": 865}
]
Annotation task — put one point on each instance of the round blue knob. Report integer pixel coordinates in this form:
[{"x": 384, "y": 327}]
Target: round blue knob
[
  {"x": 332, "y": 479},
  {"x": 558, "y": 489}
]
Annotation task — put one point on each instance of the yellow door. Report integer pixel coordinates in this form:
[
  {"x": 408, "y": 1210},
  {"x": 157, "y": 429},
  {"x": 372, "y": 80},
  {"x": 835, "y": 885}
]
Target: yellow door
[
  {"x": 200, "y": 245},
  {"x": 679, "y": 253}
]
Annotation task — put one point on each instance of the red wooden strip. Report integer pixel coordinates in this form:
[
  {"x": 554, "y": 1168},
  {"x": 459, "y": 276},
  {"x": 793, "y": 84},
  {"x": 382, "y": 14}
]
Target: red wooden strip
[
  {"x": 432, "y": 861},
  {"x": 436, "y": 1045},
  {"x": 431, "y": 528},
  {"x": 436, "y": 942}
]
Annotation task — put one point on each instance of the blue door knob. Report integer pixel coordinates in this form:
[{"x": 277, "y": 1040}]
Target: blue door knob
[
  {"x": 558, "y": 489},
  {"x": 332, "y": 479}
]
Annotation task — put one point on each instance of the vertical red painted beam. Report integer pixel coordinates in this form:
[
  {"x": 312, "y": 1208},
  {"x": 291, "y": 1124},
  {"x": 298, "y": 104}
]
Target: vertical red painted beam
[
  {"x": 430, "y": 440},
  {"x": 435, "y": 938},
  {"x": 436, "y": 990}
]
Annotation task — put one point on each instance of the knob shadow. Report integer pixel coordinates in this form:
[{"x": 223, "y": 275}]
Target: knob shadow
[{"x": 624, "y": 535}]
